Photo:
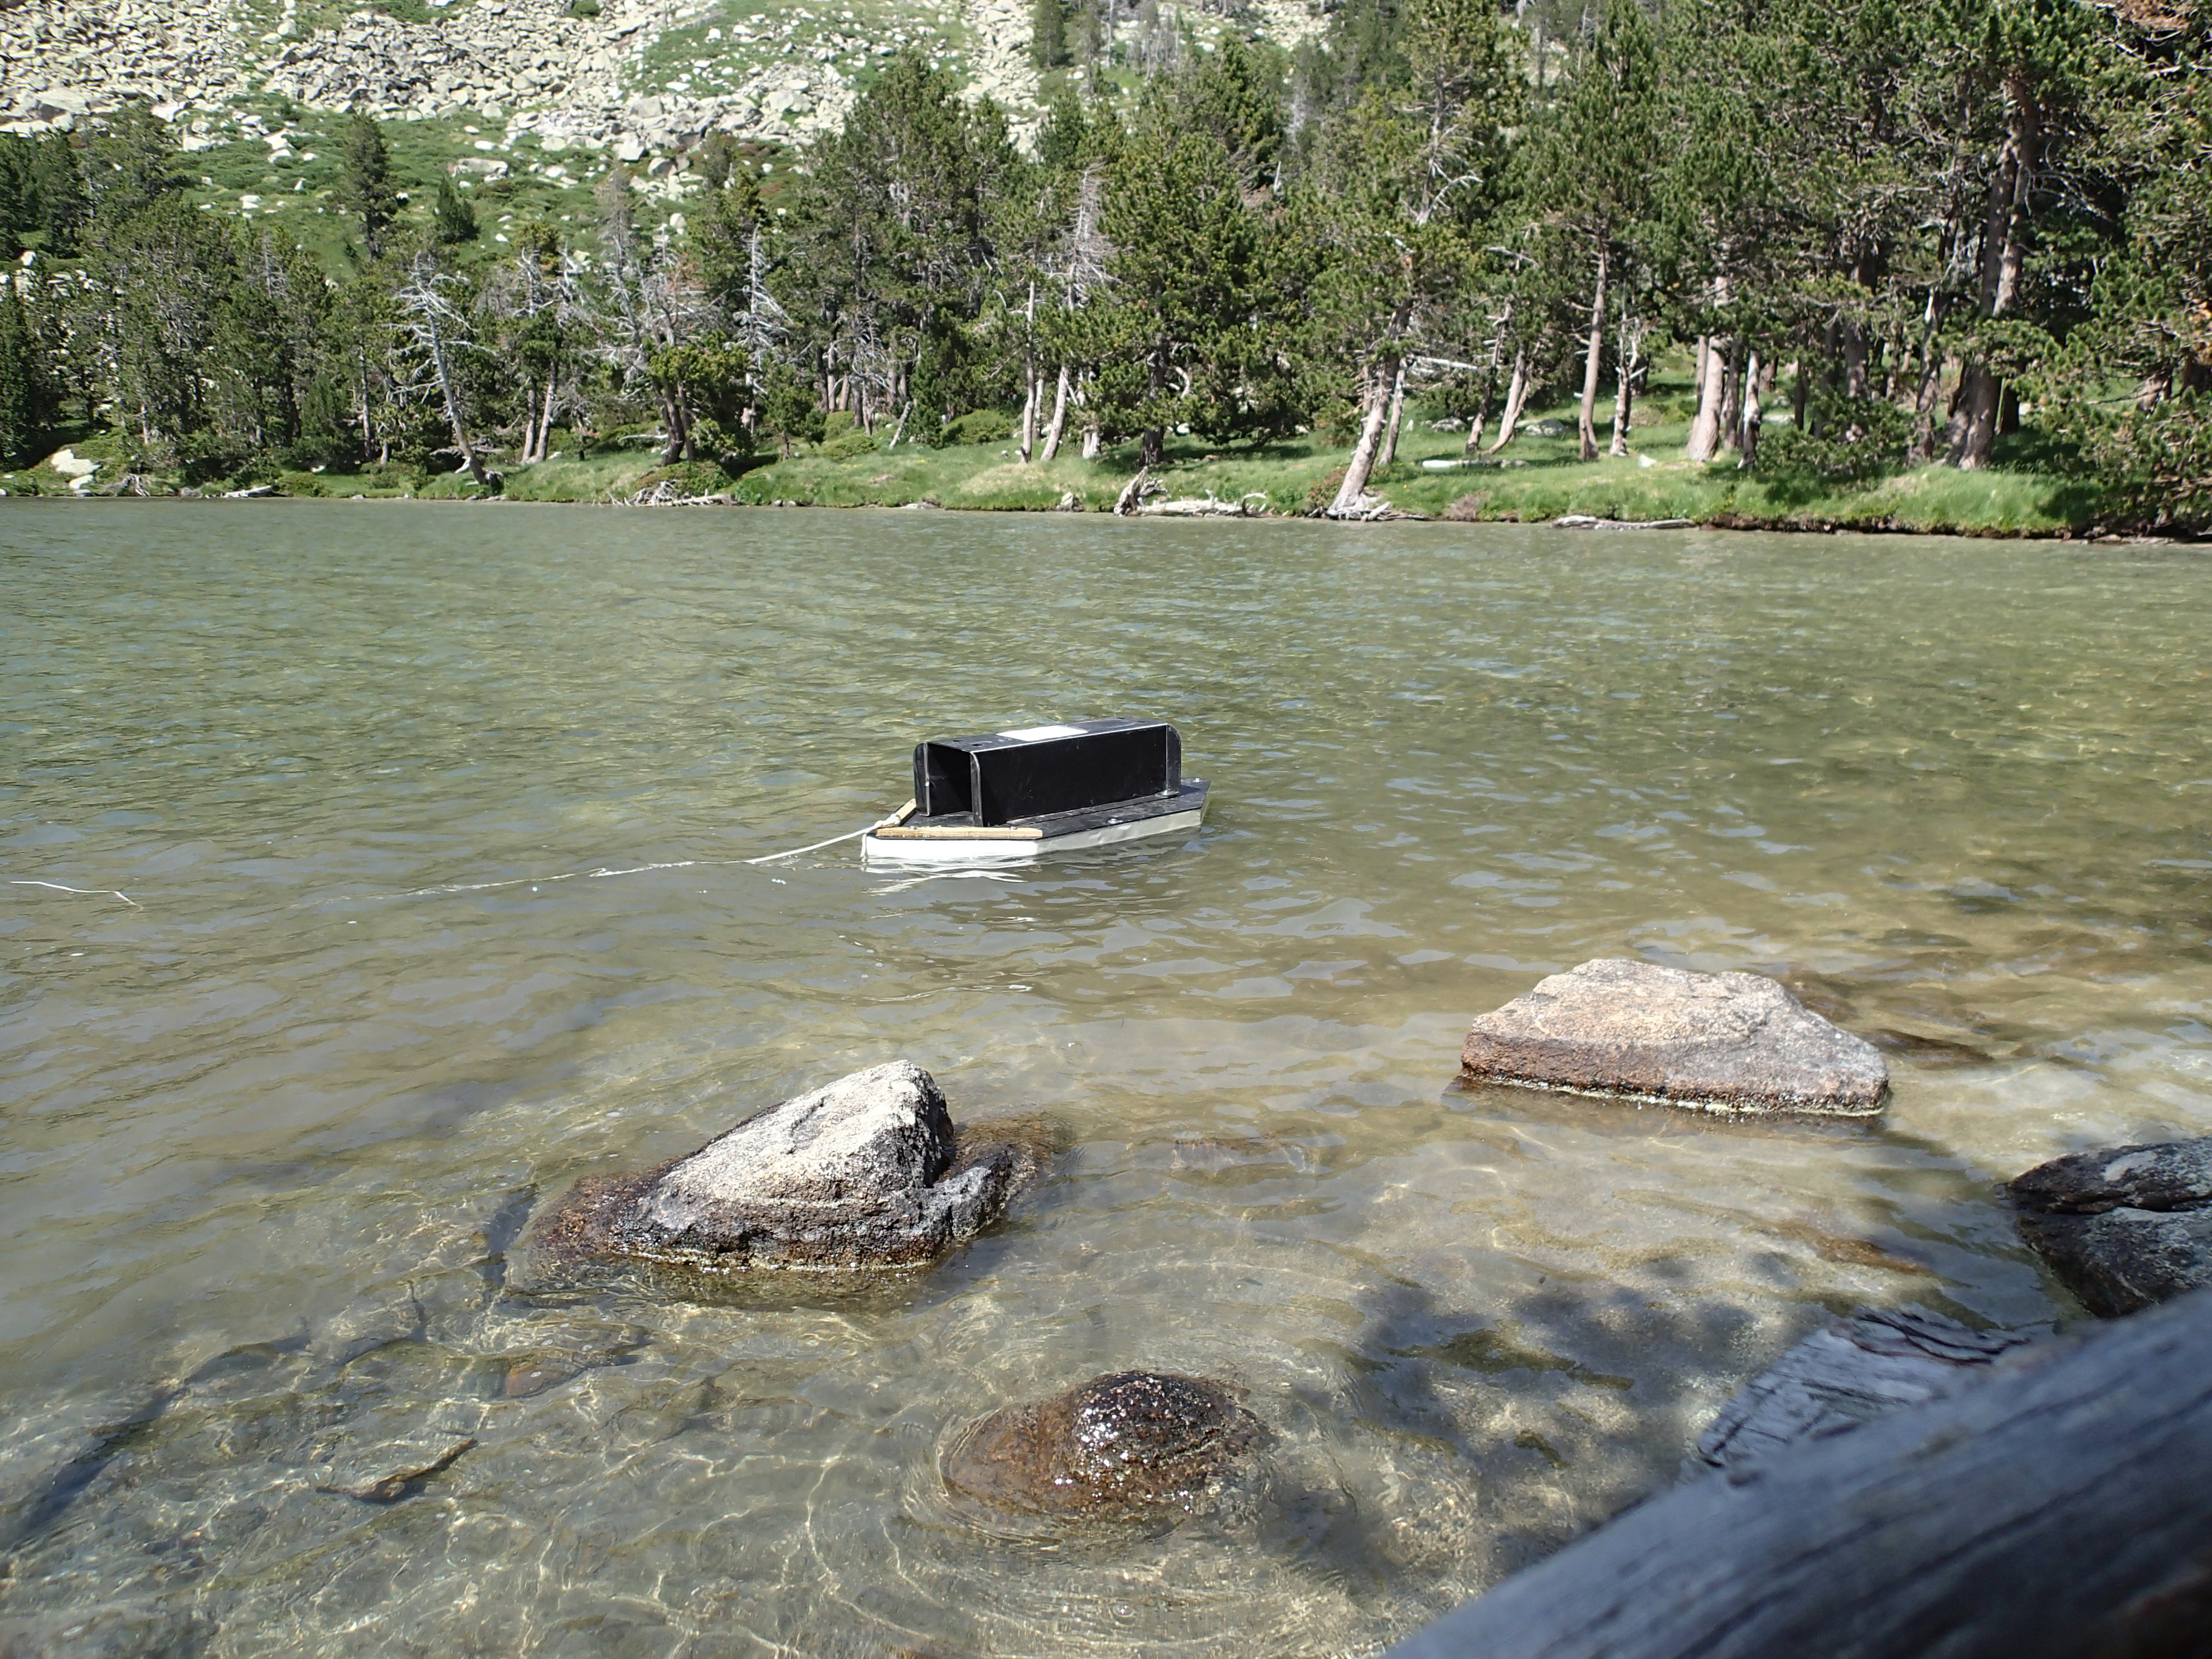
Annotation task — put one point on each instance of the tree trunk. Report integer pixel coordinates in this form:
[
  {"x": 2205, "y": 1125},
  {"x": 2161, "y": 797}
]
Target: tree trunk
[
  {"x": 1590, "y": 359},
  {"x": 368, "y": 422},
  {"x": 1623, "y": 378},
  {"x": 2057, "y": 1509},
  {"x": 676, "y": 418},
  {"x": 545, "y": 426},
  {"x": 1706, "y": 429},
  {"x": 1489, "y": 383},
  {"x": 1748, "y": 443},
  {"x": 1855, "y": 360},
  {"x": 1732, "y": 396},
  {"x": 1059, "y": 418},
  {"x": 1516, "y": 393},
  {"x": 2004, "y": 254},
  {"x": 1931, "y": 379},
  {"x": 1030, "y": 378},
  {"x": 1371, "y": 437},
  {"x": 1396, "y": 418},
  {"x": 441, "y": 363},
  {"x": 1152, "y": 448},
  {"x": 1697, "y": 375}
]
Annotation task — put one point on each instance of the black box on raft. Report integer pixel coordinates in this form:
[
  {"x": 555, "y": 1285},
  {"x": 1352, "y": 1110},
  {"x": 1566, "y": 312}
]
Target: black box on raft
[
  {"x": 1039, "y": 771},
  {"x": 1012, "y": 794}
]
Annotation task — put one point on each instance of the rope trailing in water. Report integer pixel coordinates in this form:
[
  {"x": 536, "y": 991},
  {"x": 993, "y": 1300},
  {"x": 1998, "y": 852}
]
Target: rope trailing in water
[
  {"x": 897, "y": 817},
  {"x": 100, "y": 892},
  {"x": 816, "y": 847}
]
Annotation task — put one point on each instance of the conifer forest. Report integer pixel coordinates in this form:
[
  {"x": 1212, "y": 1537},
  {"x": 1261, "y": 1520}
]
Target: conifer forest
[{"x": 1846, "y": 240}]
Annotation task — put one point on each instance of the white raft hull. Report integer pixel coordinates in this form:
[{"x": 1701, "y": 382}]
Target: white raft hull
[{"x": 970, "y": 851}]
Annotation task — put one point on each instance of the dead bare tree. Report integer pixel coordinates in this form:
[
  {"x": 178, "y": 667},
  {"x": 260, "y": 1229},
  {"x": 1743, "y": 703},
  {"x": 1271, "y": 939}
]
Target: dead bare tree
[
  {"x": 537, "y": 298},
  {"x": 434, "y": 335}
]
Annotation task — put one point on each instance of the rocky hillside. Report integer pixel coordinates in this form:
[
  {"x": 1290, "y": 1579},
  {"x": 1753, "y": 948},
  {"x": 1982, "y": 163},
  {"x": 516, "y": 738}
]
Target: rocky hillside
[{"x": 644, "y": 79}]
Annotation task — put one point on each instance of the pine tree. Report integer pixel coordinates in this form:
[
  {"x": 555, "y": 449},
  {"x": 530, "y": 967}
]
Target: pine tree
[
  {"x": 56, "y": 197},
  {"x": 1597, "y": 171},
  {"x": 129, "y": 164},
  {"x": 1186, "y": 334},
  {"x": 1049, "y": 33},
  {"x": 1397, "y": 191},
  {"x": 453, "y": 221},
  {"x": 365, "y": 180},
  {"x": 27, "y": 400},
  {"x": 18, "y": 219}
]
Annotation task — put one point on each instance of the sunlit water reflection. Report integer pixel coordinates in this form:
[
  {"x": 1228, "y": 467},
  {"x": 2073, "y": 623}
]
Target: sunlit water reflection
[{"x": 430, "y": 822}]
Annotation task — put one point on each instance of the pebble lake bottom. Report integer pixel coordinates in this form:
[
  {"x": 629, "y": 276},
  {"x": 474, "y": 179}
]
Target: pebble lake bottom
[{"x": 428, "y": 822}]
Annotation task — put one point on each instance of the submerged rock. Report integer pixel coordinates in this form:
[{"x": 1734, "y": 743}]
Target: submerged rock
[
  {"x": 867, "y": 1173},
  {"x": 2125, "y": 1227},
  {"x": 1850, "y": 1372},
  {"x": 1726, "y": 1042},
  {"x": 1121, "y": 1443}
]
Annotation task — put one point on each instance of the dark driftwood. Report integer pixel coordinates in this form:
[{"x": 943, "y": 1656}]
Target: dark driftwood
[
  {"x": 1848, "y": 1374},
  {"x": 2061, "y": 1510}
]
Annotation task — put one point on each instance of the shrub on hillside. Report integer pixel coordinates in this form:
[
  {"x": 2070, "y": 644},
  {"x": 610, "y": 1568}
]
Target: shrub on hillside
[
  {"x": 979, "y": 426},
  {"x": 1860, "y": 438}
]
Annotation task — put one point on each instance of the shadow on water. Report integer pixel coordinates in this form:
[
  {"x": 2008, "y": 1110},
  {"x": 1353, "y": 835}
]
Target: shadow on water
[{"x": 1537, "y": 1398}]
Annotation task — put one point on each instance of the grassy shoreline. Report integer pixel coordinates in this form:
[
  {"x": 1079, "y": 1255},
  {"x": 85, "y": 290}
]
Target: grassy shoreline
[{"x": 1538, "y": 478}]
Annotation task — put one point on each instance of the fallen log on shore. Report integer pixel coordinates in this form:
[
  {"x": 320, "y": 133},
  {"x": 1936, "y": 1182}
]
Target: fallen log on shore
[
  {"x": 1208, "y": 506},
  {"x": 2061, "y": 1510}
]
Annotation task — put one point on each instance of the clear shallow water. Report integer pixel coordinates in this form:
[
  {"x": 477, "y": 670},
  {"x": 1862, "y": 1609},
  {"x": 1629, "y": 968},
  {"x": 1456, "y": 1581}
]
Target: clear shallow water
[{"x": 429, "y": 816}]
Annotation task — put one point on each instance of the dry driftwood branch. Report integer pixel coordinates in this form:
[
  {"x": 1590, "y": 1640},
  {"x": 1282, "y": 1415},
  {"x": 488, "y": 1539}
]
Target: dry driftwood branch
[
  {"x": 1134, "y": 493},
  {"x": 2062, "y": 1509}
]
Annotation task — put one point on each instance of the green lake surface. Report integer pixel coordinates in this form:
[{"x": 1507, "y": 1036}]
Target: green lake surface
[{"x": 430, "y": 822}]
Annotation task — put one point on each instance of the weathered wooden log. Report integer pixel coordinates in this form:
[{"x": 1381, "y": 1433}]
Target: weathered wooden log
[
  {"x": 1853, "y": 1372},
  {"x": 2062, "y": 1509}
]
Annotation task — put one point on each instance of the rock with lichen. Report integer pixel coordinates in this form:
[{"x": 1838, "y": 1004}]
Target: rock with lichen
[
  {"x": 864, "y": 1173},
  {"x": 2124, "y": 1227},
  {"x": 1723, "y": 1042}
]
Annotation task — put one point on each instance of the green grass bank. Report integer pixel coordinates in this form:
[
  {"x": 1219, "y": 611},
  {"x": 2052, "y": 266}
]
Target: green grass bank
[{"x": 1537, "y": 478}]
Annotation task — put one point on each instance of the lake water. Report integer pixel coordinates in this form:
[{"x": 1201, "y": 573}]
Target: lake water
[{"x": 428, "y": 822}]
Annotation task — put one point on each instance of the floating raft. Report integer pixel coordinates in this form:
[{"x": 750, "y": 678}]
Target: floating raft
[{"x": 1004, "y": 797}]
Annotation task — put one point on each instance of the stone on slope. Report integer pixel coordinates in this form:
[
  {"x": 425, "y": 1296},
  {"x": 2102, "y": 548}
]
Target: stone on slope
[
  {"x": 1723, "y": 1042},
  {"x": 865, "y": 1173},
  {"x": 2125, "y": 1227},
  {"x": 1849, "y": 1372},
  {"x": 1119, "y": 1444}
]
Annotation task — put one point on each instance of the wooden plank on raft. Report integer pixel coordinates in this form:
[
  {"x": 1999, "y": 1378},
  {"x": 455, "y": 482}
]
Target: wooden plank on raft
[
  {"x": 2060, "y": 1510},
  {"x": 955, "y": 832}
]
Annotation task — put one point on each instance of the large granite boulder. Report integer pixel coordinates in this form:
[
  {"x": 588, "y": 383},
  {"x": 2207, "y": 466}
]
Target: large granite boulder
[
  {"x": 1121, "y": 1445},
  {"x": 2125, "y": 1227},
  {"x": 866, "y": 1173},
  {"x": 1722, "y": 1042}
]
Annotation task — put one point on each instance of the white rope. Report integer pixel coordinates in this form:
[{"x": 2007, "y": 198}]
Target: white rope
[
  {"x": 94, "y": 892},
  {"x": 816, "y": 847}
]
